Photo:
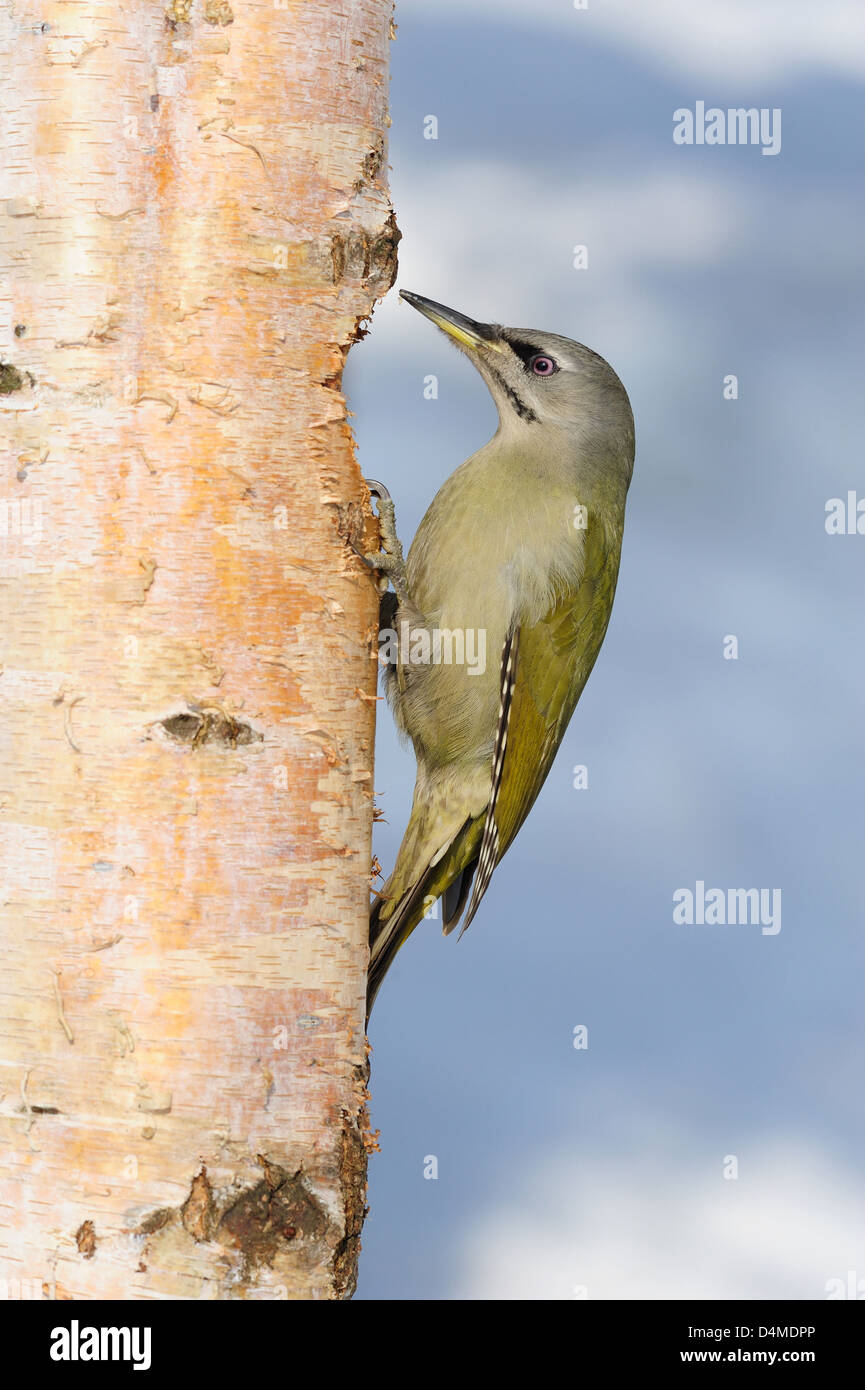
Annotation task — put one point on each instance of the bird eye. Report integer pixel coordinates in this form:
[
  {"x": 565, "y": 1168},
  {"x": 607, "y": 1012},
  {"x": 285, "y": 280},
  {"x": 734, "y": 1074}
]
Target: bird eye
[{"x": 542, "y": 365}]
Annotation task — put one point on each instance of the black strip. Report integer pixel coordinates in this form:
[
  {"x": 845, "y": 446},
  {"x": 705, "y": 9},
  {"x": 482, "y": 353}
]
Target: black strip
[
  {"x": 525, "y": 351},
  {"x": 519, "y": 405}
]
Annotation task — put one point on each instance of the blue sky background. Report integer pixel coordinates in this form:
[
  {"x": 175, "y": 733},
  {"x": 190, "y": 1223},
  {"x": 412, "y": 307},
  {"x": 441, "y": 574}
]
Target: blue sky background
[{"x": 601, "y": 1171}]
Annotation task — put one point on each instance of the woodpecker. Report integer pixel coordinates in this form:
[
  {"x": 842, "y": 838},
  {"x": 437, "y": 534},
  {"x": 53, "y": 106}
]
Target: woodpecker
[{"x": 517, "y": 556}]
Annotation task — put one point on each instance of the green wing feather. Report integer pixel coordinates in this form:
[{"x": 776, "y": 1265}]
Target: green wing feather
[{"x": 554, "y": 661}]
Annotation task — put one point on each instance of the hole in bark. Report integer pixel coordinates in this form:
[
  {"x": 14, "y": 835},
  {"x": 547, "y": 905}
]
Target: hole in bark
[
  {"x": 278, "y": 1209},
  {"x": 10, "y": 379},
  {"x": 209, "y": 726},
  {"x": 183, "y": 727}
]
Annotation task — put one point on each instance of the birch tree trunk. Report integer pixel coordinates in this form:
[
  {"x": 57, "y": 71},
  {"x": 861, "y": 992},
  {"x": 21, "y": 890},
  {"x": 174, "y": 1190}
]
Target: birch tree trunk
[{"x": 194, "y": 219}]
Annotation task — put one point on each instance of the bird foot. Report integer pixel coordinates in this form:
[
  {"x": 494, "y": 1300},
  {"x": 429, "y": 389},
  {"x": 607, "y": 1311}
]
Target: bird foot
[{"x": 389, "y": 561}]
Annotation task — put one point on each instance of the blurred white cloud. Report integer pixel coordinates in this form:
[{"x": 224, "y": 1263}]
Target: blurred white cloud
[
  {"x": 712, "y": 38},
  {"x": 508, "y": 255},
  {"x": 530, "y": 228},
  {"x": 670, "y": 1228}
]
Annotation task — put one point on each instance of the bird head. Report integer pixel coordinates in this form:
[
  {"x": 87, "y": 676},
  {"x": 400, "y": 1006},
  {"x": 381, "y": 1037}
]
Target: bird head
[{"x": 539, "y": 379}]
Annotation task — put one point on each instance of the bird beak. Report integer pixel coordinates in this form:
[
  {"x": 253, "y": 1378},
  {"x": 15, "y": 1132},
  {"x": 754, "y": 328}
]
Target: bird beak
[{"x": 465, "y": 331}]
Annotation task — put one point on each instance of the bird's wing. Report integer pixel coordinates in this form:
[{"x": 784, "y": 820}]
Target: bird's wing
[
  {"x": 551, "y": 663},
  {"x": 489, "y": 851}
]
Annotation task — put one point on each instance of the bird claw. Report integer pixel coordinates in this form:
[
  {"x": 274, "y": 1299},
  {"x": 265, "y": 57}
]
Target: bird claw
[
  {"x": 377, "y": 490},
  {"x": 388, "y": 561}
]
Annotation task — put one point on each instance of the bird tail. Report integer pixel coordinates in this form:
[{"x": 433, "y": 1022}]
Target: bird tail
[
  {"x": 385, "y": 938},
  {"x": 431, "y": 858}
]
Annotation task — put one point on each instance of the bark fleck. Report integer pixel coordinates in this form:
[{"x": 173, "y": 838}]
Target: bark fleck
[
  {"x": 156, "y": 1220},
  {"x": 218, "y": 12},
  {"x": 162, "y": 396},
  {"x": 157, "y": 1104},
  {"x": 198, "y": 1213},
  {"x": 10, "y": 379},
  {"x": 85, "y": 1239},
  {"x": 67, "y": 724},
  {"x": 64, "y": 1022}
]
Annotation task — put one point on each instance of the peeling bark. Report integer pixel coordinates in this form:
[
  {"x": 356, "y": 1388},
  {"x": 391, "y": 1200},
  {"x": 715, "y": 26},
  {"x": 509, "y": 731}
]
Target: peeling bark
[{"x": 196, "y": 221}]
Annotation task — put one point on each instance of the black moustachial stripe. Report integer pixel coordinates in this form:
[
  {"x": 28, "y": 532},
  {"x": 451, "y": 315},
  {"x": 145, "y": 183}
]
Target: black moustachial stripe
[
  {"x": 524, "y": 411},
  {"x": 525, "y": 352}
]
